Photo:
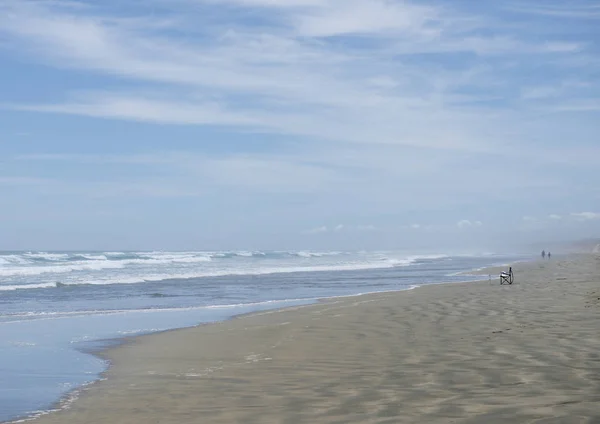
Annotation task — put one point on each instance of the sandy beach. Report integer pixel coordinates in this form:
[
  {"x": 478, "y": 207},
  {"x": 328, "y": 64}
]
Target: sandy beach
[{"x": 462, "y": 353}]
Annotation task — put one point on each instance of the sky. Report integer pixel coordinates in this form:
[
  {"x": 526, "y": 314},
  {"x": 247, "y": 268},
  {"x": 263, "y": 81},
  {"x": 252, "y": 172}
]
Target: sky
[{"x": 298, "y": 124}]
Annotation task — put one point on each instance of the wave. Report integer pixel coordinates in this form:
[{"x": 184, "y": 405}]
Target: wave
[
  {"x": 52, "y": 314},
  {"x": 61, "y": 314},
  {"x": 46, "y": 256},
  {"x": 13, "y": 260},
  {"x": 428, "y": 257},
  {"x": 27, "y": 286},
  {"x": 149, "y": 278},
  {"x": 37, "y": 258},
  {"x": 89, "y": 257},
  {"x": 305, "y": 254},
  {"x": 38, "y": 263},
  {"x": 14, "y": 270},
  {"x": 57, "y": 270},
  {"x": 18, "y": 317}
]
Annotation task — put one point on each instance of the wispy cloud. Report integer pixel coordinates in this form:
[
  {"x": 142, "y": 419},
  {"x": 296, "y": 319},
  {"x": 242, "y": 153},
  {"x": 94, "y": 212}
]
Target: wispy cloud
[
  {"x": 325, "y": 229},
  {"x": 316, "y": 112},
  {"x": 585, "y": 216},
  {"x": 465, "y": 223},
  {"x": 560, "y": 10},
  {"x": 341, "y": 228},
  {"x": 363, "y": 174},
  {"x": 147, "y": 110},
  {"x": 560, "y": 220},
  {"x": 318, "y": 230},
  {"x": 285, "y": 76}
]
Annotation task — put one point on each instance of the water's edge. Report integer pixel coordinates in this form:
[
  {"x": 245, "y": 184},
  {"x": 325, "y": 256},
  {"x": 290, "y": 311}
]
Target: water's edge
[{"x": 104, "y": 346}]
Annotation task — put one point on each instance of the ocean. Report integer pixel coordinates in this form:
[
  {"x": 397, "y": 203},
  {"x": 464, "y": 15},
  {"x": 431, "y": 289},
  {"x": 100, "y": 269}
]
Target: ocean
[{"x": 57, "y": 307}]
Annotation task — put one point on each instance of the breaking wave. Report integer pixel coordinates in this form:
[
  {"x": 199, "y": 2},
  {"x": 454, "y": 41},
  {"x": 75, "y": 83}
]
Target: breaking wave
[{"x": 44, "y": 270}]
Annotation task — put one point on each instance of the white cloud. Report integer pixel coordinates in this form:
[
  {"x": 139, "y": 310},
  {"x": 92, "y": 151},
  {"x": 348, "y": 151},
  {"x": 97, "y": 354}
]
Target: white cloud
[
  {"x": 585, "y": 216},
  {"x": 536, "y": 93},
  {"x": 467, "y": 223},
  {"x": 344, "y": 174},
  {"x": 318, "y": 230},
  {"x": 324, "y": 18},
  {"x": 292, "y": 82},
  {"x": 272, "y": 3},
  {"x": 349, "y": 120},
  {"x": 341, "y": 17},
  {"x": 341, "y": 227},
  {"x": 326, "y": 229},
  {"x": 108, "y": 105},
  {"x": 551, "y": 217},
  {"x": 570, "y": 10}
]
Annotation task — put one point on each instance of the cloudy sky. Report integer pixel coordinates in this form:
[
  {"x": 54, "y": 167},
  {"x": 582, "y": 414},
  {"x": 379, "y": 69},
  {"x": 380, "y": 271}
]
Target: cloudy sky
[{"x": 216, "y": 124}]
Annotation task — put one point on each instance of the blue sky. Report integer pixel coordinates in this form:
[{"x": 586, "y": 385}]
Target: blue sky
[{"x": 207, "y": 124}]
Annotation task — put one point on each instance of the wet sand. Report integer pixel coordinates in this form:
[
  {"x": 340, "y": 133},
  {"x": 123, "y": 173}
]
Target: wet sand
[{"x": 453, "y": 353}]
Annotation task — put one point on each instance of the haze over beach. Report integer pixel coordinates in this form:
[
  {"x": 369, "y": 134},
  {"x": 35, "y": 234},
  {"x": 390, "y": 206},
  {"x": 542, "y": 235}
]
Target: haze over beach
[{"x": 292, "y": 164}]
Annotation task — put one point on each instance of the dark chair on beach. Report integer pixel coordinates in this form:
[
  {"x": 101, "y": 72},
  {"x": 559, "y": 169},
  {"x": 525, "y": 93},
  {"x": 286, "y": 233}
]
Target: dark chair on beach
[{"x": 507, "y": 277}]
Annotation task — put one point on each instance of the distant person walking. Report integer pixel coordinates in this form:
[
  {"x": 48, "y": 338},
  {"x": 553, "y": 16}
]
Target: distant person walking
[
  {"x": 549, "y": 255},
  {"x": 543, "y": 254}
]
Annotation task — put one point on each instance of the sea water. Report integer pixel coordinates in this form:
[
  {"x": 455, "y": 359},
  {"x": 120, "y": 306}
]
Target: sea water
[{"x": 57, "y": 306}]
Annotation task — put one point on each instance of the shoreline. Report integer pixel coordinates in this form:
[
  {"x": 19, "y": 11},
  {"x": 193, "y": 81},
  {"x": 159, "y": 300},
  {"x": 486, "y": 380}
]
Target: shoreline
[
  {"x": 448, "y": 352},
  {"x": 114, "y": 343},
  {"x": 110, "y": 344}
]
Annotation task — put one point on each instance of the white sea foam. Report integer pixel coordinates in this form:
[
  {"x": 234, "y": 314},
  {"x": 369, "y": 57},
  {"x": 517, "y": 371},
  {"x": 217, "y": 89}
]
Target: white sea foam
[
  {"x": 427, "y": 257},
  {"x": 144, "y": 278},
  {"x": 47, "y": 256},
  {"x": 305, "y": 254},
  {"x": 59, "y": 269},
  {"x": 13, "y": 260},
  {"x": 56, "y": 270},
  {"x": 16, "y": 343},
  {"x": 26, "y": 286},
  {"x": 13, "y": 268},
  {"x": 21, "y": 317},
  {"x": 94, "y": 257}
]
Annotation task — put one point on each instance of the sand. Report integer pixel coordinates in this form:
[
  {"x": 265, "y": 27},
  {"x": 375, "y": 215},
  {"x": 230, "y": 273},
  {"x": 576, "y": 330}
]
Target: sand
[{"x": 454, "y": 353}]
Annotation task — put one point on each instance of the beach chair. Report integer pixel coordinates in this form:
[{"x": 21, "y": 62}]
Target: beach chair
[{"x": 507, "y": 277}]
